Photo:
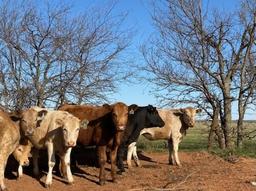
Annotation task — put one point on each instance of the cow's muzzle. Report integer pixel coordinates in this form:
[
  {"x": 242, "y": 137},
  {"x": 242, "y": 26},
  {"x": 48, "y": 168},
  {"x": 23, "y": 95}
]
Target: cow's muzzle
[
  {"x": 121, "y": 128},
  {"x": 71, "y": 143},
  {"x": 25, "y": 163},
  {"x": 29, "y": 132}
]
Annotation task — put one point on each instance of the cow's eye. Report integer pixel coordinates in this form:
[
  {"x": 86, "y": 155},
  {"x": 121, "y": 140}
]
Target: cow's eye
[
  {"x": 77, "y": 129},
  {"x": 65, "y": 130}
]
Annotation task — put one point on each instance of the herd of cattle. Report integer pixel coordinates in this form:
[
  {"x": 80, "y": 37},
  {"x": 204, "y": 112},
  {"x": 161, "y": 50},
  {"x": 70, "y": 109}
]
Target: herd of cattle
[{"x": 113, "y": 129}]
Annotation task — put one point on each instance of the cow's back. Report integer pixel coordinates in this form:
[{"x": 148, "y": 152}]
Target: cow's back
[
  {"x": 88, "y": 112},
  {"x": 172, "y": 126}
]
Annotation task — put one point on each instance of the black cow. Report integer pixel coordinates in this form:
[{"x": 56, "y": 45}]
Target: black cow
[{"x": 138, "y": 119}]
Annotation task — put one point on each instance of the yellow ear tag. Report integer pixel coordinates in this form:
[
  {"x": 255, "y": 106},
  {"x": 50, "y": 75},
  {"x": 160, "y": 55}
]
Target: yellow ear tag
[{"x": 84, "y": 124}]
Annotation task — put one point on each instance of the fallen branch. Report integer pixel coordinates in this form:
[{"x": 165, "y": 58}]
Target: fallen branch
[
  {"x": 182, "y": 182},
  {"x": 164, "y": 187}
]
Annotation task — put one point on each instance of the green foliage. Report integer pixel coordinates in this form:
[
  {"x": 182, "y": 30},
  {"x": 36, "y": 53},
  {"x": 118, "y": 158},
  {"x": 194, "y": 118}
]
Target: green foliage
[{"x": 197, "y": 139}]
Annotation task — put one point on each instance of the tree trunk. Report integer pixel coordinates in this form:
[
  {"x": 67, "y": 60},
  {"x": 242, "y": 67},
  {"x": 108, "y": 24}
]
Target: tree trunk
[
  {"x": 227, "y": 116},
  {"x": 240, "y": 124},
  {"x": 215, "y": 128}
]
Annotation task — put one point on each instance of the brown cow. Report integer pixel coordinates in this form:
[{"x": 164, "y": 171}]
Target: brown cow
[{"x": 106, "y": 124}]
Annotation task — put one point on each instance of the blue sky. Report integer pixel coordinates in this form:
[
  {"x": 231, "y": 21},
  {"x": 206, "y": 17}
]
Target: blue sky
[{"x": 139, "y": 18}]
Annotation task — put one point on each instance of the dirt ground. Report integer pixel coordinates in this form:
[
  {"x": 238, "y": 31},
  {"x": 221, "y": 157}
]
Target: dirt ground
[{"x": 199, "y": 171}]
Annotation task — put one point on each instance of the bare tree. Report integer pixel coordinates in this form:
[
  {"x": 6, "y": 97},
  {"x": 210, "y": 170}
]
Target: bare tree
[
  {"x": 49, "y": 55},
  {"x": 246, "y": 75},
  {"x": 196, "y": 58}
]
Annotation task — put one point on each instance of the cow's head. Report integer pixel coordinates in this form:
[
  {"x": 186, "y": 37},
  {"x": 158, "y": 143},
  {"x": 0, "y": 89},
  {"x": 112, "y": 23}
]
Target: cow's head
[
  {"x": 119, "y": 115},
  {"x": 31, "y": 119},
  {"x": 153, "y": 118},
  {"x": 22, "y": 153},
  {"x": 187, "y": 115},
  {"x": 70, "y": 126}
]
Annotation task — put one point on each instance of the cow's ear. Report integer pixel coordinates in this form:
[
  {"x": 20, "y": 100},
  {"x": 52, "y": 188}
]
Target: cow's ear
[
  {"x": 59, "y": 122},
  {"x": 132, "y": 108},
  {"x": 84, "y": 123},
  {"x": 107, "y": 106},
  {"x": 198, "y": 110},
  {"x": 40, "y": 117},
  {"x": 41, "y": 114},
  {"x": 15, "y": 115},
  {"x": 151, "y": 108},
  {"x": 178, "y": 112}
]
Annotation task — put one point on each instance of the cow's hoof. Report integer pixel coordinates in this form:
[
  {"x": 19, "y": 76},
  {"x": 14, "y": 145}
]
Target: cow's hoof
[
  {"x": 71, "y": 183},
  {"x": 47, "y": 185},
  {"x": 37, "y": 176},
  {"x": 172, "y": 163},
  {"x": 253, "y": 183},
  {"x": 120, "y": 171},
  {"x": 102, "y": 182},
  {"x": 4, "y": 189},
  {"x": 114, "y": 181},
  {"x": 19, "y": 177}
]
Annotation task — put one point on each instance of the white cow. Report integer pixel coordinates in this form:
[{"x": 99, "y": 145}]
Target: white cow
[{"x": 56, "y": 131}]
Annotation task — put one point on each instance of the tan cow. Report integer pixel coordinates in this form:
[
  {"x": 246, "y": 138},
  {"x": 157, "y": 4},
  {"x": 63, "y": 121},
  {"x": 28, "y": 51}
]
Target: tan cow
[
  {"x": 9, "y": 143},
  {"x": 177, "y": 121},
  {"x": 22, "y": 154},
  {"x": 56, "y": 131},
  {"x": 9, "y": 140}
]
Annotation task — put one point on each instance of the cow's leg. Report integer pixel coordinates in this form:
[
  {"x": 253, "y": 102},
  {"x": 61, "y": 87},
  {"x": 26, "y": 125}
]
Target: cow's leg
[
  {"x": 62, "y": 168},
  {"x": 135, "y": 156},
  {"x": 20, "y": 171},
  {"x": 3, "y": 161},
  {"x": 113, "y": 163},
  {"x": 176, "y": 142},
  {"x": 35, "y": 156},
  {"x": 102, "y": 160},
  {"x": 171, "y": 154},
  {"x": 129, "y": 154},
  {"x": 120, "y": 163},
  {"x": 67, "y": 166},
  {"x": 51, "y": 163}
]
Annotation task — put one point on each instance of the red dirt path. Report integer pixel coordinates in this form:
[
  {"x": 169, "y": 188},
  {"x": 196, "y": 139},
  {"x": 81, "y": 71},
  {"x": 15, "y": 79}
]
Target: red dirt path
[{"x": 199, "y": 171}]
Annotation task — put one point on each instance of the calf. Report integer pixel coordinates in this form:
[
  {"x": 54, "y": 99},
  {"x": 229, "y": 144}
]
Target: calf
[
  {"x": 22, "y": 154},
  {"x": 139, "y": 118},
  {"x": 57, "y": 131},
  {"x": 104, "y": 130},
  {"x": 177, "y": 121},
  {"x": 9, "y": 140}
]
